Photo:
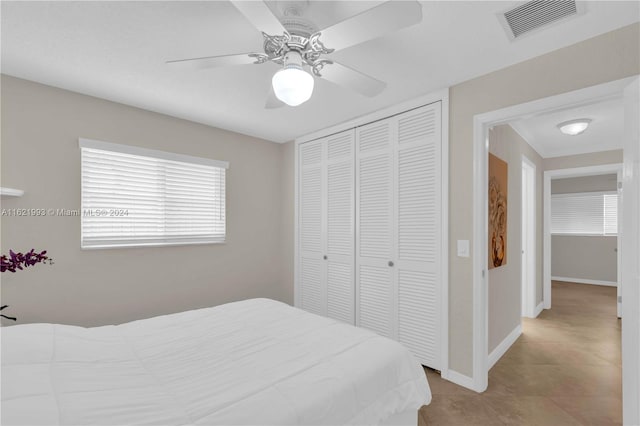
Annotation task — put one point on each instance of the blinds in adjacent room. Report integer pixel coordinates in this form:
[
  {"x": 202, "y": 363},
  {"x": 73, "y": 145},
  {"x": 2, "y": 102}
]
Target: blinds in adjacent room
[
  {"x": 588, "y": 213},
  {"x": 610, "y": 216},
  {"x": 137, "y": 197}
]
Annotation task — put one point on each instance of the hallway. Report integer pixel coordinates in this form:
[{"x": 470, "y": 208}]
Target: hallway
[{"x": 565, "y": 369}]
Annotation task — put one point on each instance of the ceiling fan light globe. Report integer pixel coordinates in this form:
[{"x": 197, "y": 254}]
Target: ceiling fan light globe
[{"x": 293, "y": 85}]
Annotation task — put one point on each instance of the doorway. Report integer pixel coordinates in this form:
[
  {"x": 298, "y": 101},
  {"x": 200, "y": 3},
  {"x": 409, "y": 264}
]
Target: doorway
[
  {"x": 578, "y": 172},
  {"x": 628, "y": 89}
]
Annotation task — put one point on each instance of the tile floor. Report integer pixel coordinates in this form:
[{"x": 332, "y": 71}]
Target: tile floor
[{"x": 565, "y": 369}]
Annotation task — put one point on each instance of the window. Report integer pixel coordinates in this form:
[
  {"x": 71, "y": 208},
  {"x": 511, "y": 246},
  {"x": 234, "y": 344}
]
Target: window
[
  {"x": 140, "y": 197},
  {"x": 587, "y": 213}
]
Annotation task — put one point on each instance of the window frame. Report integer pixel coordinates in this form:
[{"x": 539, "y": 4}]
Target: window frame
[{"x": 164, "y": 240}]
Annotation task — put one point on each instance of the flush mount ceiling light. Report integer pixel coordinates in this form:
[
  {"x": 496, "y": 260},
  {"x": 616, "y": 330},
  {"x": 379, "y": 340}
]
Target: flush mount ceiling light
[
  {"x": 292, "y": 84},
  {"x": 574, "y": 127}
]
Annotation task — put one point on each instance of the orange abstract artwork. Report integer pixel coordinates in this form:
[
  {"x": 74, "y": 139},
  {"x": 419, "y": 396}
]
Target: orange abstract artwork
[{"x": 497, "y": 212}]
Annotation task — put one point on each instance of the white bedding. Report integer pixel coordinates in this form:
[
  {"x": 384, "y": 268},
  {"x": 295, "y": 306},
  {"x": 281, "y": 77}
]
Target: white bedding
[{"x": 251, "y": 362}]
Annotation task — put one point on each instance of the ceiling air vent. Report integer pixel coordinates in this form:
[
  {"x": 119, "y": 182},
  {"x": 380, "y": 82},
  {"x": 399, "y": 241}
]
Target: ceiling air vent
[{"x": 535, "y": 14}]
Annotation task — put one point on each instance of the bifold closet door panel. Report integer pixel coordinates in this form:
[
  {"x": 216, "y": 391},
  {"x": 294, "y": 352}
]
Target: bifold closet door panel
[
  {"x": 370, "y": 228},
  {"x": 312, "y": 269},
  {"x": 340, "y": 226},
  {"x": 375, "y": 293},
  {"x": 418, "y": 202}
]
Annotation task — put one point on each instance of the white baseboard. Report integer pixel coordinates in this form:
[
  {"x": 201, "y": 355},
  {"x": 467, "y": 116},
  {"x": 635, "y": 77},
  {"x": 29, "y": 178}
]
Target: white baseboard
[
  {"x": 539, "y": 309},
  {"x": 504, "y": 346},
  {"x": 585, "y": 281},
  {"x": 458, "y": 379}
]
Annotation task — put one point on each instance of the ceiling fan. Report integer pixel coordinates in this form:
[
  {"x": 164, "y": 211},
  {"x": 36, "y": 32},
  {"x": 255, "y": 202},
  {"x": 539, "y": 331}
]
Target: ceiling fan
[{"x": 297, "y": 45}]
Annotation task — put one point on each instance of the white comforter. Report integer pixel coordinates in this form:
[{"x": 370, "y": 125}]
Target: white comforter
[{"x": 251, "y": 362}]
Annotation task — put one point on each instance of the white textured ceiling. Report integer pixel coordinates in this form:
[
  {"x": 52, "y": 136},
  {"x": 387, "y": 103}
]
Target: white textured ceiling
[
  {"x": 117, "y": 51},
  {"x": 605, "y": 132}
]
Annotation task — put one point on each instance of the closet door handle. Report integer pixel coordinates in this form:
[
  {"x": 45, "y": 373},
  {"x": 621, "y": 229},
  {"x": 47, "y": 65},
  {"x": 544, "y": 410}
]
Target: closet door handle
[
  {"x": 324, "y": 257},
  {"x": 390, "y": 263}
]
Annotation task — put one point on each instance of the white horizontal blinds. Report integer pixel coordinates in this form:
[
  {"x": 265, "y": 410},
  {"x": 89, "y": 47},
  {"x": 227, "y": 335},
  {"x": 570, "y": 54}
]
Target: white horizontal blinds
[
  {"x": 610, "y": 216},
  {"x": 133, "y": 200},
  {"x": 589, "y": 213},
  {"x": 194, "y": 200}
]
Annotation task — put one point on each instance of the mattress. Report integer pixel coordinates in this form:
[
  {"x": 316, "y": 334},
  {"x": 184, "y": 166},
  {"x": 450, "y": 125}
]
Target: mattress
[{"x": 252, "y": 362}]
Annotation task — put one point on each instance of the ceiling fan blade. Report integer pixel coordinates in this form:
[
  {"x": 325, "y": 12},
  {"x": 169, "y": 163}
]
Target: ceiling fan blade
[
  {"x": 218, "y": 61},
  {"x": 272, "y": 101},
  {"x": 373, "y": 23},
  {"x": 352, "y": 79},
  {"x": 259, "y": 14}
]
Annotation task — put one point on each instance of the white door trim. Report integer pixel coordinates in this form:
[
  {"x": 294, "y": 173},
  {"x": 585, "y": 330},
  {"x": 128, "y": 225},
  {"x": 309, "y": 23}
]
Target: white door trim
[
  {"x": 618, "y": 282},
  {"x": 297, "y": 299},
  {"x": 437, "y": 96},
  {"x": 480, "y": 274},
  {"x": 550, "y": 175},
  {"x": 529, "y": 245},
  {"x": 481, "y": 125},
  {"x": 630, "y": 257}
]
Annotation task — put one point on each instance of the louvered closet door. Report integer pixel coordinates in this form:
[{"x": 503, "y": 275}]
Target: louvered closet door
[
  {"x": 340, "y": 226},
  {"x": 417, "y": 201},
  {"x": 374, "y": 228},
  {"x": 312, "y": 271}
]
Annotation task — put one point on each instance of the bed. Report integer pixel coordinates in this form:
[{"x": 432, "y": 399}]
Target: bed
[{"x": 252, "y": 362}]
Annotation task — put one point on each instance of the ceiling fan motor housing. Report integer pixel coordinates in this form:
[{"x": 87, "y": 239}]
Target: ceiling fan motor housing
[
  {"x": 296, "y": 25},
  {"x": 293, "y": 59}
]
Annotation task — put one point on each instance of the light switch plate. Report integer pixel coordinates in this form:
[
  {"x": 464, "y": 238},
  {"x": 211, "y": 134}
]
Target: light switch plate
[{"x": 463, "y": 248}]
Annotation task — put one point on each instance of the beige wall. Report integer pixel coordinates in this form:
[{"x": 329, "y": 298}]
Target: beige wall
[
  {"x": 584, "y": 184},
  {"x": 604, "y": 58},
  {"x": 505, "y": 289},
  {"x": 583, "y": 160},
  {"x": 40, "y": 130},
  {"x": 586, "y": 257},
  {"x": 288, "y": 218}
]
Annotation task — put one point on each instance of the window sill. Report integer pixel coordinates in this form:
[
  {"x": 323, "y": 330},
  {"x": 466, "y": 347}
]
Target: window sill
[{"x": 154, "y": 244}]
